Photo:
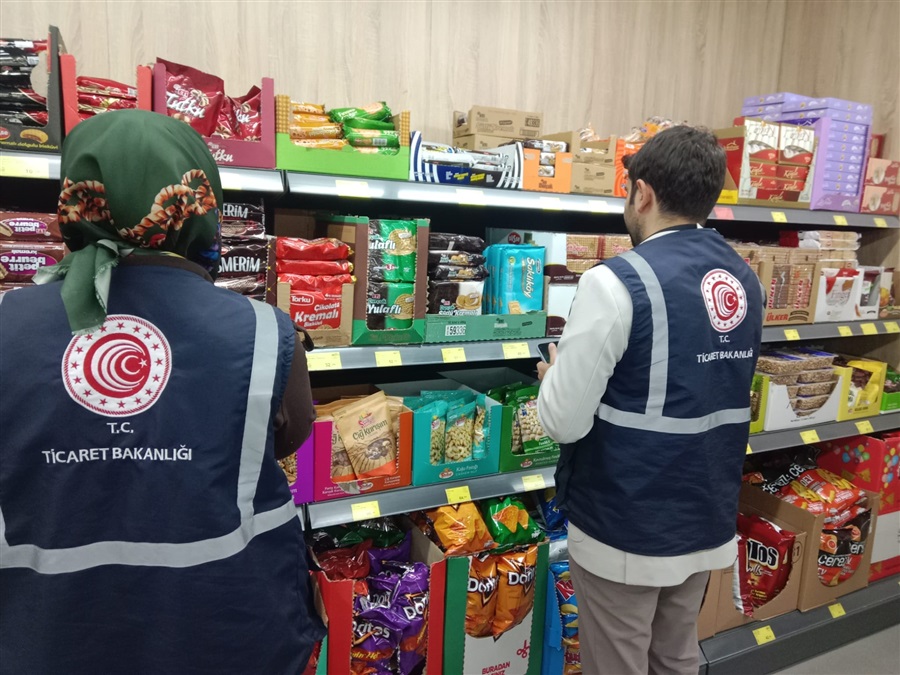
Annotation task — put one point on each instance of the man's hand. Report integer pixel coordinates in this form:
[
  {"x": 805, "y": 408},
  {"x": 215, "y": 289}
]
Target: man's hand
[{"x": 542, "y": 367}]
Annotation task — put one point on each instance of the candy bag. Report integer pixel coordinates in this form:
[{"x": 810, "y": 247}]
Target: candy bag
[{"x": 193, "y": 96}]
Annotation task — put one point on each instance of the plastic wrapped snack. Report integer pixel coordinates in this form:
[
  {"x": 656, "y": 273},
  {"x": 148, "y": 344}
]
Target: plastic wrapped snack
[
  {"x": 515, "y": 596},
  {"x": 460, "y": 431},
  {"x": 764, "y": 563},
  {"x": 366, "y": 429},
  {"x": 481, "y": 598},
  {"x": 534, "y": 438},
  {"x": 509, "y": 522},
  {"x": 457, "y": 529},
  {"x": 441, "y": 241},
  {"x": 373, "y": 111},
  {"x": 565, "y": 597}
]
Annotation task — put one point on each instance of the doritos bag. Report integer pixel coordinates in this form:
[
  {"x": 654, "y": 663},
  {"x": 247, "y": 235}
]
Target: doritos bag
[
  {"x": 481, "y": 599},
  {"x": 765, "y": 559},
  {"x": 515, "y": 596},
  {"x": 509, "y": 522},
  {"x": 458, "y": 529}
]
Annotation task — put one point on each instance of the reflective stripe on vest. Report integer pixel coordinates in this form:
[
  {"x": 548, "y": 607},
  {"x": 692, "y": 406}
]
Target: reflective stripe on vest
[
  {"x": 149, "y": 554},
  {"x": 652, "y": 418}
]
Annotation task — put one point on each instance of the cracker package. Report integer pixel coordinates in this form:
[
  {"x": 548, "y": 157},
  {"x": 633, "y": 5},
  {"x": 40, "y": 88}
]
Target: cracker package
[
  {"x": 519, "y": 284},
  {"x": 367, "y": 432},
  {"x": 515, "y": 595},
  {"x": 481, "y": 598}
]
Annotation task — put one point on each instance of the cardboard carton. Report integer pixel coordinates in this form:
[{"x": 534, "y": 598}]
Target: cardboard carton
[
  {"x": 587, "y": 152},
  {"x": 838, "y": 294},
  {"x": 623, "y": 148},
  {"x": 509, "y": 176},
  {"x": 780, "y": 414},
  {"x": 855, "y": 402},
  {"x": 885, "y": 551},
  {"x": 709, "y": 609},
  {"x": 881, "y": 200},
  {"x": 867, "y": 462},
  {"x": 802, "y": 309},
  {"x": 594, "y": 179},
  {"x": 69, "y": 89},
  {"x": 882, "y": 172},
  {"x": 480, "y": 142},
  {"x": 502, "y": 122},
  {"x": 561, "y": 181},
  {"x": 323, "y": 337}
]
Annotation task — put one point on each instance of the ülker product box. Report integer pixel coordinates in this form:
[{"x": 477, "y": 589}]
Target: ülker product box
[
  {"x": 882, "y": 172},
  {"x": 479, "y": 142}
]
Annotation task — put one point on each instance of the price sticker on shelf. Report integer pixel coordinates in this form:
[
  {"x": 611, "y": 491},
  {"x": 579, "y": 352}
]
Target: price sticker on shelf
[
  {"x": 869, "y": 328},
  {"x": 470, "y": 196},
  {"x": 891, "y": 327},
  {"x": 764, "y": 635},
  {"x": 723, "y": 212},
  {"x": 836, "y": 610},
  {"x": 865, "y": 427},
  {"x": 809, "y": 437},
  {"x": 845, "y": 331},
  {"x": 749, "y": 449},
  {"x": 551, "y": 203},
  {"x": 791, "y": 334},
  {"x": 779, "y": 217},
  {"x": 388, "y": 358},
  {"x": 516, "y": 350},
  {"x": 840, "y": 220},
  {"x": 365, "y": 510},
  {"x": 323, "y": 360},
  {"x": 352, "y": 188},
  {"x": 535, "y": 482},
  {"x": 24, "y": 167},
  {"x": 453, "y": 354},
  {"x": 458, "y": 494},
  {"x": 880, "y": 222}
]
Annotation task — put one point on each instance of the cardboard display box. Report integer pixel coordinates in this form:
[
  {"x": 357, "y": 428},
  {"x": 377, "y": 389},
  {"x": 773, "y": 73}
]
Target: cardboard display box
[
  {"x": 759, "y": 402},
  {"x": 812, "y": 592},
  {"x": 532, "y": 180},
  {"x": 852, "y": 404},
  {"x": 502, "y": 122},
  {"x": 323, "y": 337},
  {"x": 838, "y": 296},
  {"x": 303, "y": 461},
  {"x": 510, "y": 177},
  {"x": 885, "y": 551},
  {"x": 594, "y": 179},
  {"x": 69, "y": 88},
  {"x": 479, "y": 142},
  {"x": 882, "y": 172},
  {"x": 338, "y": 600},
  {"x": 228, "y": 151},
  {"x": 558, "y": 300},
  {"x": 423, "y": 471},
  {"x": 890, "y": 400},
  {"x": 517, "y": 652},
  {"x": 47, "y": 138},
  {"x": 556, "y": 246},
  {"x": 882, "y": 200},
  {"x": 623, "y": 148},
  {"x": 799, "y": 313},
  {"x": 709, "y": 609},
  {"x": 324, "y": 488},
  {"x": 440, "y": 329},
  {"x": 867, "y": 462},
  {"x": 780, "y": 414},
  {"x": 587, "y": 152}
]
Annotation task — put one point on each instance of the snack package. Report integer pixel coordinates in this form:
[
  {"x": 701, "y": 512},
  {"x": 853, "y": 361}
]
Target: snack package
[
  {"x": 547, "y": 504},
  {"x": 240, "y": 258},
  {"x": 841, "y": 550},
  {"x": 18, "y": 225},
  {"x": 392, "y": 250},
  {"x": 442, "y": 241},
  {"x": 460, "y": 258},
  {"x": 534, "y": 438},
  {"x": 481, "y": 598},
  {"x": 325, "y": 248},
  {"x": 565, "y": 596},
  {"x": 372, "y": 138},
  {"x": 509, "y": 522},
  {"x": 380, "y": 556},
  {"x": 519, "y": 287},
  {"x": 103, "y": 87},
  {"x": 410, "y": 602},
  {"x": 345, "y": 563},
  {"x": 458, "y": 273},
  {"x": 515, "y": 595},
  {"x": 479, "y": 439},
  {"x": 315, "y": 267},
  {"x": 367, "y": 124},
  {"x": 251, "y": 284},
  {"x": 373, "y": 111},
  {"x": 765, "y": 560},
  {"x": 460, "y": 432},
  {"x": 311, "y": 131},
  {"x": 366, "y": 429},
  {"x": 307, "y": 108},
  {"x": 193, "y": 96},
  {"x": 390, "y": 306},
  {"x": 438, "y": 412},
  {"x": 248, "y": 115},
  {"x": 341, "y": 469},
  {"x": 458, "y": 529},
  {"x": 835, "y": 493},
  {"x": 19, "y": 261},
  {"x": 455, "y": 298}
]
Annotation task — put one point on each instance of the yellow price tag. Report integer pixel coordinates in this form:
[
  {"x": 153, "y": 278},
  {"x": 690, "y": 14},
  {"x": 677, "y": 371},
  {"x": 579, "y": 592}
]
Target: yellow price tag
[
  {"x": 551, "y": 203},
  {"x": 764, "y": 635},
  {"x": 470, "y": 196},
  {"x": 865, "y": 427},
  {"x": 869, "y": 328},
  {"x": 230, "y": 180},
  {"x": 323, "y": 360},
  {"x": 791, "y": 334},
  {"x": 535, "y": 482},
  {"x": 749, "y": 449},
  {"x": 837, "y": 609},
  {"x": 365, "y": 510},
  {"x": 845, "y": 331},
  {"x": 880, "y": 222},
  {"x": 453, "y": 354},
  {"x": 811, "y": 436},
  {"x": 840, "y": 220},
  {"x": 779, "y": 217},
  {"x": 458, "y": 494},
  {"x": 388, "y": 359},
  {"x": 24, "y": 167},
  {"x": 516, "y": 350},
  {"x": 352, "y": 188},
  {"x": 891, "y": 327}
]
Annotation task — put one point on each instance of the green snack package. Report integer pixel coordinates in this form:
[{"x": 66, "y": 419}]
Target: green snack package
[
  {"x": 438, "y": 412},
  {"x": 400, "y": 297},
  {"x": 509, "y": 522},
  {"x": 499, "y": 393},
  {"x": 365, "y": 123},
  {"x": 373, "y": 111},
  {"x": 533, "y": 437},
  {"x": 452, "y": 396},
  {"x": 460, "y": 431},
  {"x": 392, "y": 250},
  {"x": 372, "y": 138},
  {"x": 382, "y": 531},
  {"x": 479, "y": 441}
]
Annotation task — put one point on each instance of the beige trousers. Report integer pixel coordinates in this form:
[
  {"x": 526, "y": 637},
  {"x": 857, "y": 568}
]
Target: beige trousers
[{"x": 637, "y": 630}]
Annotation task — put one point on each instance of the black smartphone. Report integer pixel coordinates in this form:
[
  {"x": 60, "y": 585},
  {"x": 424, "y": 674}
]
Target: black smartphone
[{"x": 544, "y": 350}]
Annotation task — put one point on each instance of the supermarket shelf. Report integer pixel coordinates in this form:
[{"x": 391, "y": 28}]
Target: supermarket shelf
[
  {"x": 789, "y": 438},
  {"x": 821, "y": 331},
  {"x": 29, "y": 165},
  {"x": 764, "y": 214},
  {"x": 252, "y": 180},
  {"x": 801, "y": 636},
  {"x": 405, "y": 500},
  {"x": 350, "y": 358}
]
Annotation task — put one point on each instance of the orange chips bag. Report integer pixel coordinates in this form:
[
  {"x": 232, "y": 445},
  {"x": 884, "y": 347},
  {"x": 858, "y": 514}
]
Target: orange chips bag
[
  {"x": 481, "y": 600},
  {"x": 460, "y": 529},
  {"x": 515, "y": 596}
]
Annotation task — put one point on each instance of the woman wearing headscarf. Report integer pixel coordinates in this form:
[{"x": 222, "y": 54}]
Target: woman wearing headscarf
[{"x": 145, "y": 525}]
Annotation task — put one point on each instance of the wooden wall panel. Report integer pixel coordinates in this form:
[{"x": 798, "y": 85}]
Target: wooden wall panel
[{"x": 611, "y": 64}]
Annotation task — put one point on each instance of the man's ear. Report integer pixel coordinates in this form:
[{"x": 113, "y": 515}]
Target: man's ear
[{"x": 644, "y": 198}]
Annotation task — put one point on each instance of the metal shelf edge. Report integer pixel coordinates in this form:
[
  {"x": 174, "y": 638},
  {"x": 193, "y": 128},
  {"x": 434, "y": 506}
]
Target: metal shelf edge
[{"x": 768, "y": 441}]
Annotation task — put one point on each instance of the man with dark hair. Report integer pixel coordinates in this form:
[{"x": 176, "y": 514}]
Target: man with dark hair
[{"x": 649, "y": 393}]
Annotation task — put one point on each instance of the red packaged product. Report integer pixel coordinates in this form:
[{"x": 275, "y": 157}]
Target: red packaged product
[
  {"x": 20, "y": 260},
  {"x": 765, "y": 559},
  {"x": 291, "y": 248},
  {"x": 102, "y": 87},
  {"x": 346, "y": 563},
  {"x": 316, "y": 300},
  {"x": 247, "y": 115},
  {"x": 329, "y": 283},
  {"x": 841, "y": 550},
  {"x": 193, "y": 96},
  {"x": 105, "y": 102},
  {"x": 225, "y": 127},
  {"x": 314, "y": 267},
  {"x": 837, "y": 493}
]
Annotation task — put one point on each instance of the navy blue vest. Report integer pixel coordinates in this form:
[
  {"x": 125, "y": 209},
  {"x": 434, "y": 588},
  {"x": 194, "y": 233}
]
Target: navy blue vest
[
  {"x": 145, "y": 526},
  {"x": 660, "y": 471}
]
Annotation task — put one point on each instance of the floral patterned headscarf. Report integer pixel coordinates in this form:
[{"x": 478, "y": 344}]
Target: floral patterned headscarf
[{"x": 134, "y": 182}]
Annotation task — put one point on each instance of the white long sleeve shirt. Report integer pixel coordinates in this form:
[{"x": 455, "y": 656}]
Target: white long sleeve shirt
[{"x": 593, "y": 342}]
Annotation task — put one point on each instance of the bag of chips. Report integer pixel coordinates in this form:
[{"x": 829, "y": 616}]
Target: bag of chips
[
  {"x": 481, "y": 599},
  {"x": 515, "y": 595},
  {"x": 325, "y": 248},
  {"x": 346, "y": 563},
  {"x": 458, "y": 529},
  {"x": 565, "y": 596},
  {"x": 366, "y": 429},
  {"x": 765, "y": 560},
  {"x": 841, "y": 550},
  {"x": 509, "y": 522},
  {"x": 548, "y": 506},
  {"x": 410, "y": 602}
]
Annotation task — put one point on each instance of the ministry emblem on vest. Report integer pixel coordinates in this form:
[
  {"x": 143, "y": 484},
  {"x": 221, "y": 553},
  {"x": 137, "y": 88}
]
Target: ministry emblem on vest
[
  {"x": 726, "y": 301},
  {"x": 120, "y": 369}
]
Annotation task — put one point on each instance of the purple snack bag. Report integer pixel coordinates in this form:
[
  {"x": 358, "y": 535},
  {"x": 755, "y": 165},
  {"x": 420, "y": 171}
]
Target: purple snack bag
[
  {"x": 399, "y": 553},
  {"x": 411, "y": 603},
  {"x": 373, "y": 648}
]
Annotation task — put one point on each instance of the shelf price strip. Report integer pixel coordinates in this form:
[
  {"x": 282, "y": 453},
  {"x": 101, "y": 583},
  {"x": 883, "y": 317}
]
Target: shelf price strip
[
  {"x": 865, "y": 427},
  {"x": 845, "y": 331},
  {"x": 779, "y": 217},
  {"x": 324, "y": 360},
  {"x": 764, "y": 635},
  {"x": 516, "y": 350},
  {"x": 869, "y": 328},
  {"x": 453, "y": 354},
  {"x": 810, "y": 436},
  {"x": 840, "y": 220},
  {"x": 365, "y": 510},
  {"x": 352, "y": 188},
  {"x": 24, "y": 167},
  {"x": 880, "y": 222},
  {"x": 388, "y": 359},
  {"x": 458, "y": 494},
  {"x": 891, "y": 327},
  {"x": 791, "y": 334},
  {"x": 535, "y": 482}
]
